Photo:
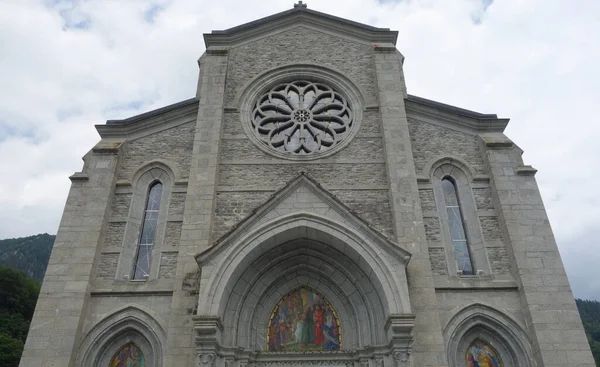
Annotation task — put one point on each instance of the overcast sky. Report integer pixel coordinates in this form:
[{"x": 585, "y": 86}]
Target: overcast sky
[{"x": 67, "y": 65}]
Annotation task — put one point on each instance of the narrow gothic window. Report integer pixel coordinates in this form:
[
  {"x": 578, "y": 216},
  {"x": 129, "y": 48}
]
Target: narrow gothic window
[
  {"x": 130, "y": 355},
  {"x": 457, "y": 228},
  {"x": 148, "y": 233},
  {"x": 481, "y": 353}
]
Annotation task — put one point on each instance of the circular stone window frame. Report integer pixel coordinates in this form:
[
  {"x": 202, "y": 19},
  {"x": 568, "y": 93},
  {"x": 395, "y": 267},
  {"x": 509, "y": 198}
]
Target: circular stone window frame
[{"x": 261, "y": 84}]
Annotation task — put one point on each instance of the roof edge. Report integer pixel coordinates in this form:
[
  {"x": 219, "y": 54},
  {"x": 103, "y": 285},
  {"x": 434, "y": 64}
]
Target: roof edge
[
  {"x": 449, "y": 108},
  {"x": 156, "y": 112},
  {"x": 230, "y": 35}
]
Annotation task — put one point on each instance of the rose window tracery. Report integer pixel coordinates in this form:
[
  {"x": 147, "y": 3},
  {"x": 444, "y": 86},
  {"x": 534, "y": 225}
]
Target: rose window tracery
[{"x": 302, "y": 117}]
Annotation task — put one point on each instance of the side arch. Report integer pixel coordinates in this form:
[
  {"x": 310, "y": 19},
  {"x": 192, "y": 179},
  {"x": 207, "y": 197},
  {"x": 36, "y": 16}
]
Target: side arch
[
  {"x": 479, "y": 321},
  {"x": 130, "y": 324}
]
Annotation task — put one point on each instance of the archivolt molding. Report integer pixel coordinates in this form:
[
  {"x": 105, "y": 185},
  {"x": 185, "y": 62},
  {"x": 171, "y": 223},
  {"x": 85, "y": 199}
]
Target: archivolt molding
[
  {"x": 312, "y": 264},
  {"x": 131, "y": 323},
  {"x": 153, "y": 168},
  {"x": 485, "y": 322},
  {"x": 234, "y": 259},
  {"x": 449, "y": 166}
]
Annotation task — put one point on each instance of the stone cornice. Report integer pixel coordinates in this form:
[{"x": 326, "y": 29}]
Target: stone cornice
[
  {"x": 436, "y": 112},
  {"x": 258, "y": 28},
  {"x": 148, "y": 121}
]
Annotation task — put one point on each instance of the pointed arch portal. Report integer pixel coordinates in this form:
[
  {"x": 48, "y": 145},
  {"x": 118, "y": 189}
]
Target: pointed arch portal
[{"x": 289, "y": 282}]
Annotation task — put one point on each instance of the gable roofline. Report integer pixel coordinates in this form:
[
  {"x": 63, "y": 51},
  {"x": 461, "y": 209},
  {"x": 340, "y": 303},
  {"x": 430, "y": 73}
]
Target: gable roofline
[
  {"x": 272, "y": 22},
  {"x": 148, "y": 120},
  {"x": 280, "y": 195},
  {"x": 481, "y": 122}
]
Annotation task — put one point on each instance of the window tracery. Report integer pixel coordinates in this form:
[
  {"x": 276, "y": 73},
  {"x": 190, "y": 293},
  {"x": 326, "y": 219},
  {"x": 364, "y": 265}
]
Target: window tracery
[{"x": 301, "y": 117}]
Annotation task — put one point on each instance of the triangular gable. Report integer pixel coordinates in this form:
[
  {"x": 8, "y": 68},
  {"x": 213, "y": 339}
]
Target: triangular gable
[
  {"x": 300, "y": 13},
  {"x": 304, "y": 194}
]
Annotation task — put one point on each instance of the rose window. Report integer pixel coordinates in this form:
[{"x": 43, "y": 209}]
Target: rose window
[{"x": 301, "y": 117}]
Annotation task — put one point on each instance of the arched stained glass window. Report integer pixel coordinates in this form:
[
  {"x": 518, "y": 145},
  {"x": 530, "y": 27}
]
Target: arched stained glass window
[
  {"x": 457, "y": 228},
  {"x": 303, "y": 321},
  {"x": 481, "y": 353},
  {"x": 148, "y": 233},
  {"x": 130, "y": 355}
]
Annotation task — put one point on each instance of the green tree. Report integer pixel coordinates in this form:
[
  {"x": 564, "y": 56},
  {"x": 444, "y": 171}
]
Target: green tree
[
  {"x": 10, "y": 351},
  {"x": 18, "y": 296},
  {"x": 590, "y": 317}
]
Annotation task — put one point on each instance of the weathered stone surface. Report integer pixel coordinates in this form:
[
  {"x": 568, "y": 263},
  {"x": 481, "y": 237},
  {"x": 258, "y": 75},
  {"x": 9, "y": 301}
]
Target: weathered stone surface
[
  {"x": 244, "y": 150},
  {"x": 232, "y": 207},
  {"x": 107, "y": 266},
  {"x": 491, "y": 228},
  {"x": 329, "y": 175},
  {"x": 168, "y": 265},
  {"x": 432, "y": 229},
  {"x": 352, "y": 58},
  {"x": 371, "y": 205},
  {"x": 120, "y": 205},
  {"x": 499, "y": 260},
  {"x": 173, "y": 145},
  {"x": 177, "y": 203},
  {"x": 430, "y": 142},
  {"x": 114, "y": 235},
  {"x": 427, "y": 200},
  {"x": 437, "y": 256},
  {"x": 172, "y": 234},
  {"x": 483, "y": 198}
]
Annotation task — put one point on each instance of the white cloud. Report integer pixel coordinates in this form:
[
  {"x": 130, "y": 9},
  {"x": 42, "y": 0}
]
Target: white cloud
[{"x": 67, "y": 65}]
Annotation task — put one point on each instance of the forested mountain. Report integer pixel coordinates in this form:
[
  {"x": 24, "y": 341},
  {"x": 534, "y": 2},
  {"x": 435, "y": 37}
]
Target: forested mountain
[
  {"x": 27, "y": 254},
  {"x": 18, "y": 295},
  {"x": 590, "y": 316}
]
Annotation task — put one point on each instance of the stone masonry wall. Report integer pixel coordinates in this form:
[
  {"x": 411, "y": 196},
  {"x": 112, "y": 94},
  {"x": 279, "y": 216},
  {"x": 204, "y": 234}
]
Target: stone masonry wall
[
  {"x": 430, "y": 141},
  {"x": 300, "y": 45},
  {"x": 356, "y": 175},
  {"x": 173, "y": 145}
]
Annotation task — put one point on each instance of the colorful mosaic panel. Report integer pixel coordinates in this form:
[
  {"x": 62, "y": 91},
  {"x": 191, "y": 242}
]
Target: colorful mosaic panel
[
  {"x": 130, "y": 355},
  {"x": 481, "y": 354},
  {"x": 303, "y": 321}
]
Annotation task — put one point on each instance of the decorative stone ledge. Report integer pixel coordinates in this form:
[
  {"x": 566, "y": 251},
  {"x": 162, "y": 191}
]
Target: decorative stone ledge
[
  {"x": 526, "y": 171},
  {"x": 473, "y": 282},
  {"x": 217, "y": 50},
  {"x": 79, "y": 177},
  {"x": 384, "y": 47}
]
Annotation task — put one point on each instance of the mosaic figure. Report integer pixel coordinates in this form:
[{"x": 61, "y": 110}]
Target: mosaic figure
[
  {"x": 303, "y": 321},
  {"x": 481, "y": 354},
  {"x": 129, "y": 355}
]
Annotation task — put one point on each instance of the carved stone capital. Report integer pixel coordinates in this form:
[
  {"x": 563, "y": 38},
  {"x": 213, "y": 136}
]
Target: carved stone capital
[
  {"x": 206, "y": 359},
  {"x": 401, "y": 358}
]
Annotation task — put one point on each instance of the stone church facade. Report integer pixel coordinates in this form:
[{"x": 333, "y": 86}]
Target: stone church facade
[{"x": 303, "y": 209}]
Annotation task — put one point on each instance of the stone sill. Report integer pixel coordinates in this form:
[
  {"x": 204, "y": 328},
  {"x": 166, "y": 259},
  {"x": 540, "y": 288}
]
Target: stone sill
[{"x": 473, "y": 282}]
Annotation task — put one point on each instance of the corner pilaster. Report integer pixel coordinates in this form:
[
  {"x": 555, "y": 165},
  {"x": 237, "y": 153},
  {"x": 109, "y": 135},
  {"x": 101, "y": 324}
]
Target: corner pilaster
[
  {"x": 57, "y": 324},
  {"x": 428, "y": 345},
  {"x": 549, "y": 308},
  {"x": 199, "y": 208}
]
